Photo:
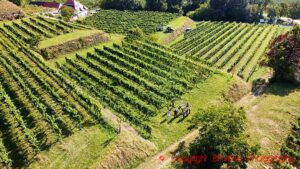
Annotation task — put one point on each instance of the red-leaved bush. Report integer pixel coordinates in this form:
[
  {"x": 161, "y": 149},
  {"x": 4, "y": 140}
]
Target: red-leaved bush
[{"x": 284, "y": 56}]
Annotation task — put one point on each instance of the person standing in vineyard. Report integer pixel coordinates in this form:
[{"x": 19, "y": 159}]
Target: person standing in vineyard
[
  {"x": 176, "y": 113},
  {"x": 181, "y": 103},
  {"x": 168, "y": 113},
  {"x": 188, "y": 108}
]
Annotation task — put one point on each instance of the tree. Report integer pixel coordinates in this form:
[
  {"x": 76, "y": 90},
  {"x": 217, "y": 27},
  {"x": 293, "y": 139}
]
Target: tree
[
  {"x": 254, "y": 13},
  {"x": 261, "y": 5},
  {"x": 283, "y": 9},
  {"x": 135, "y": 33},
  {"x": 273, "y": 11},
  {"x": 232, "y": 10},
  {"x": 295, "y": 10},
  {"x": 204, "y": 12},
  {"x": 34, "y": 41},
  {"x": 284, "y": 56},
  {"x": 191, "y": 5},
  {"x": 67, "y": 12},
  {"x": 20, "y": 2},
  {"x": 221, "y": 135},
  {"x": 175, "y": 6},
  {"x": 125, "y": 4},
  {"x": 157, "y": 5}
]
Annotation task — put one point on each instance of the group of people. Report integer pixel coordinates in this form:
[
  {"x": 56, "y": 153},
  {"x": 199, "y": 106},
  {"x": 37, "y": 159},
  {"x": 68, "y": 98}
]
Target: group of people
[{"x": 182, "y": 109}]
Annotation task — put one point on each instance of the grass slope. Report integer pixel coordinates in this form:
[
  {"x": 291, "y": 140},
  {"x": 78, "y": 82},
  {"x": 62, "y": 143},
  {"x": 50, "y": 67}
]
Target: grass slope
[
  {"x": 80, "y": 150},
  {"x": 115, "y": 38},
  {"x": 206, "y": 93},
  {"x": 270, "y": 116},
  {"x": 67, "y": 37}
]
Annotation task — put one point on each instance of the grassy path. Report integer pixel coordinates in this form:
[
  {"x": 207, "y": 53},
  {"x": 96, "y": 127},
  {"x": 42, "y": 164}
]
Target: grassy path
[{"x": 157, "y": 162}]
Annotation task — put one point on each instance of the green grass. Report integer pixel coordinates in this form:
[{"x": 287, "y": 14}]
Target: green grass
[
  {"x": 115, "y": 38},
  {"x": 260, "y": 72},
  {"x": 77, "y": 151},
  {"x": 175, "y": 24},
  {"x": 204, "y": 94},
  {"x": 270, "y": 116},
  {"x": 67, "y": 37}
]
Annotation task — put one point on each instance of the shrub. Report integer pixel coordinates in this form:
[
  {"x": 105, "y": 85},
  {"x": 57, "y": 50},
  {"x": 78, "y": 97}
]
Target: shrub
[
  {"x": 204, "y": 12},
  {"x": 34, "y": 41},
  {"x": 135, "y": 33},
  {"x": 284, "y": 57},
  {"x": 125, "y": 4},
  {"x": 67, "y": 13}
]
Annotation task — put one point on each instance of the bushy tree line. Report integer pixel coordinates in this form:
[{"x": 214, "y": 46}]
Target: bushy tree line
[
  {"x": 226, "y": 10},
  {"x": 291, "y": 10},
  {"x": 152, "y": 5},
  {"x": 20, "y": 2}
]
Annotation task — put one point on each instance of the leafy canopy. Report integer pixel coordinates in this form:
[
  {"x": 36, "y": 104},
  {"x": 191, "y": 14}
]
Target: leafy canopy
[
  {"x": 284, "y": 56},
  {"x": 221, "y": 132}
]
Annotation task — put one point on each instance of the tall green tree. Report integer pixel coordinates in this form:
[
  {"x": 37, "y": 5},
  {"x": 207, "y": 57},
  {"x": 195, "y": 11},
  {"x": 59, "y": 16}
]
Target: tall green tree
[
  {"x": 295, "y": 10},
  {"x": 221, "y": 135},
  {"x": 175, "y": 5},
  {"x": 231, "y": 10},
  {"x": 283, "y": 9},
  {"x": 157, "y": 5},
  {"x": 20, "y": 2},
  {"x": 125, "y": 4}
]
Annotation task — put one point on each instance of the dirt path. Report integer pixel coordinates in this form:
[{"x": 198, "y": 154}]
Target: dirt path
[{"x": 157, "y": 162}]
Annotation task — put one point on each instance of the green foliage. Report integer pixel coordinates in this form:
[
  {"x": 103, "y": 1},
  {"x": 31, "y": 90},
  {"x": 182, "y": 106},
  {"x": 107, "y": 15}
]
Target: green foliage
[
  {"x": 157, "y": 5},
  {"x": 222, "y": 131},
  {"x": 67, "y": 12},
  {"x": 284, "y": 56},
  {"x": 4, "y": 159},
  {"x": 174, "y": 6},
  {"x": 45, "y": 53},
  {"x": 113, "y": 21},
  {"x": 135, "y": 33},
  {"x": 292, "y": 145},
  {"x": 295, "y": 11},
  {"x": 204, "y": 12},
  {"x": 34, "y": 41},
  {"x": 125, "y": 4},
  {"x": 229, "y": 10},
  {"x": 20, "y": 2}
]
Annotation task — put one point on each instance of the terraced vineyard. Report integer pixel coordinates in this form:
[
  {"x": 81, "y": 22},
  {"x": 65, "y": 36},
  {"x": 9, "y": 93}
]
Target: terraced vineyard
[
  {"x": 38, "y": 106},
  {"x": 41, "y": 105},
  {"x": 26, "y": 29},
  {"x": 113, "y": 21},
  {"x": 233, "y": 47},
  {"x": 135, "y": 79}
]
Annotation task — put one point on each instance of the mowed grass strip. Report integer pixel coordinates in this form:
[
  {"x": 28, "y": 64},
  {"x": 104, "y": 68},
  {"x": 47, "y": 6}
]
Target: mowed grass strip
[
  {"x": 67, "y": 37},
  {"x": 270, "y": 116}
]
